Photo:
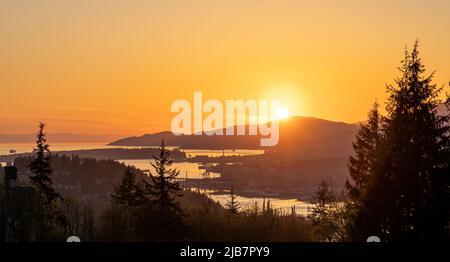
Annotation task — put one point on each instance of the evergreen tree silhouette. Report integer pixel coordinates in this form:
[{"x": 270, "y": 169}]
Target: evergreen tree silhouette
[
  {"x": 322, "y": 201},
  {"x": 409, "y": 196},
  {"x": 161, "y": 193},
  {"x": 232, "y": 204},
  {"x": 362, "y": 168},
  {"x": 362, "y": 163},
  {"x": 41, "y": 169},
  {"x": 50, "y": 221},
  {"x": 129, "y": 192}
]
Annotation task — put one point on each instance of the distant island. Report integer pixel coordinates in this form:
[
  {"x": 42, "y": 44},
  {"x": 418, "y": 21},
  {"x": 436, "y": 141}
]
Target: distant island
[
  {"x": 305, "y": 132},
  {"x": 106, "y": 153}
]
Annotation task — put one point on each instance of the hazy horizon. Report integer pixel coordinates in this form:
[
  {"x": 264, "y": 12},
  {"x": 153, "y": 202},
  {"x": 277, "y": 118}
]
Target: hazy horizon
[
  {"x": 32, "y": 131},
  {"x": 115, "y": 67}
]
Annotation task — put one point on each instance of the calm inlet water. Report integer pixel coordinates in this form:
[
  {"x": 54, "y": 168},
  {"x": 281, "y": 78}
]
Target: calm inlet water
[
  {"x": 285, "y": 205},
  {"x": 192, "y": 170},
  {"x": 189, "y": 170},
  {"x": 5, "y": 149},
  {"x": 216, "y": 153}
]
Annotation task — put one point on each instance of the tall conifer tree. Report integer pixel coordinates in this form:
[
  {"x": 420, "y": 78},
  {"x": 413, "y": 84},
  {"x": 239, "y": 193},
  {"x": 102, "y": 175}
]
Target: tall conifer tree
[
  {"x": 161, "y": 193},
  {"x": 408, "y": 197},
  {"x": 129, "y": 192},
  {"x": 42, "y": 170},
  {"x": 232, "y": 204}
]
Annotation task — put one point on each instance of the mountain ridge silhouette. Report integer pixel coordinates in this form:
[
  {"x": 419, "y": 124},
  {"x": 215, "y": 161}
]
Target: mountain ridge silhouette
[{"x": 296, "y": 134}]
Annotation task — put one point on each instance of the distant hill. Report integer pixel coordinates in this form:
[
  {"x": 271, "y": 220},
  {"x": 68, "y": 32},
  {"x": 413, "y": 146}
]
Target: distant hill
[
  {"x": 300, "y": 135},
  {"x": 311, "y": 138},
  {"x": 191, "y": 141}
]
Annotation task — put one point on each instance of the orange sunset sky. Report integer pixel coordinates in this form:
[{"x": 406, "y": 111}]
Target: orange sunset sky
[{"x": 115, "y": 67}]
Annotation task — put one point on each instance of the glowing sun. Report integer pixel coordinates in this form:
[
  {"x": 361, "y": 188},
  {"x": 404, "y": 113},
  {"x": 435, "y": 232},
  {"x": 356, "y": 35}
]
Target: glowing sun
[{"x": 282, "y": 113}]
